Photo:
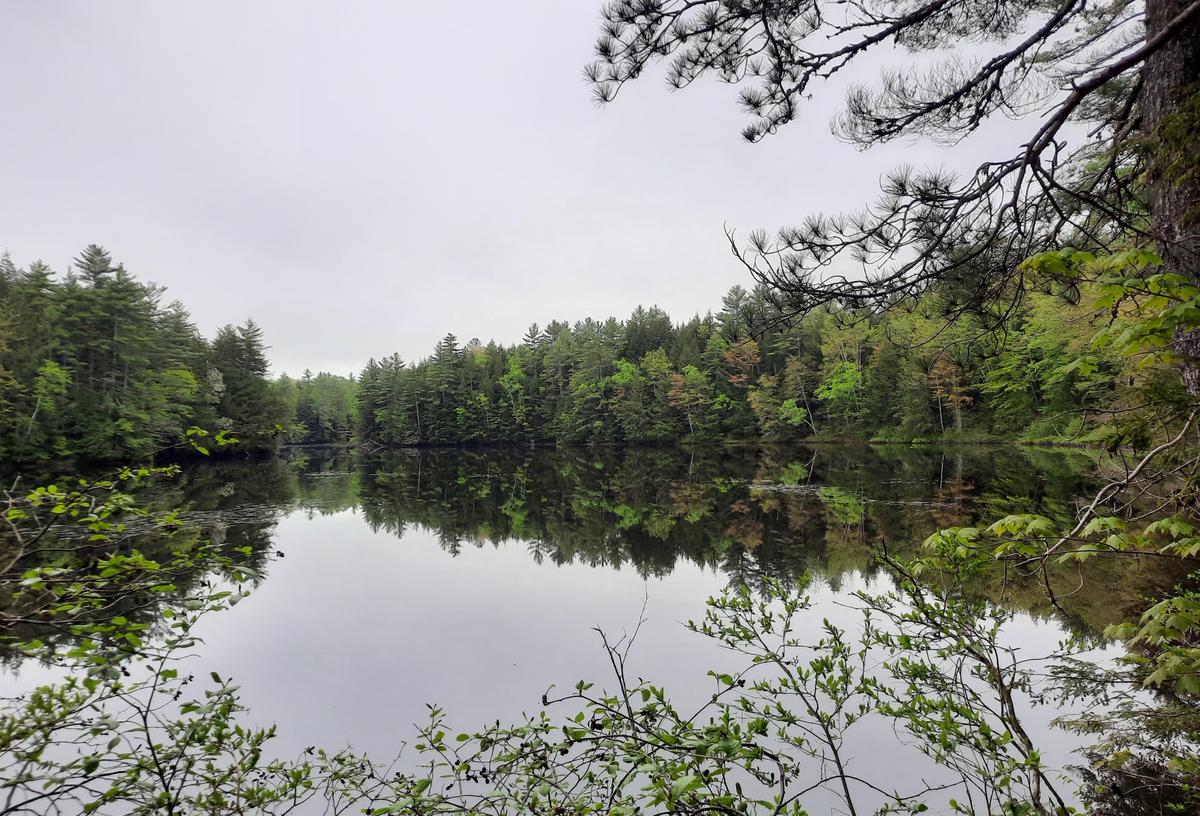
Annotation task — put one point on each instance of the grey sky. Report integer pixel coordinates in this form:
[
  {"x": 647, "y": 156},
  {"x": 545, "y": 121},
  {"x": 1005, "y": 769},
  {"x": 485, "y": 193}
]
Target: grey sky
[{"x": 362, "y": 177}]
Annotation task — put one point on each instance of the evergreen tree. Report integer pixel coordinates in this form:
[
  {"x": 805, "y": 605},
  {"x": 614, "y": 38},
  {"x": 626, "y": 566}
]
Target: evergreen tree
[{"x": 248, "y": 405}]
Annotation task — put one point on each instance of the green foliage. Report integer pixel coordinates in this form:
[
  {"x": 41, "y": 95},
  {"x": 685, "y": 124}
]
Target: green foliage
[
  {"x": 840, "y": 389},
  {"x": 322, "y": 407},
  {"x": 94, "y": 367},
  {"x": 129, "y": 730},
  {"x": 883, "y": 376},
  {"x": 97, "y": 368},
  {"x": 791, "y": 413}
]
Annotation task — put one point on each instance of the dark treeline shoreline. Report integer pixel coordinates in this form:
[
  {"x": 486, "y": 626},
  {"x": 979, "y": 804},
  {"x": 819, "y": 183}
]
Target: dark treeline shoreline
[{"x": 94, "y": 368}]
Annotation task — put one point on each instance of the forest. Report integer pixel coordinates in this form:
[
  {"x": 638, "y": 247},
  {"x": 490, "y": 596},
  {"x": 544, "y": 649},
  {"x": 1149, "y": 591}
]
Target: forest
[
  {"x": 94, "y": 367},
  {"x": 747, "y": 373}
]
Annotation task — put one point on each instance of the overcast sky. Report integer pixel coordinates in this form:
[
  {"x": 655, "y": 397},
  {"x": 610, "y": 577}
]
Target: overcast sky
[{"x": 363, "y": 177}]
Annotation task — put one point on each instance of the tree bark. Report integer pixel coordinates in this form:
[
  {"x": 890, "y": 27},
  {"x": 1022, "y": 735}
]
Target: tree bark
[{"x": 1170, "y": 79}]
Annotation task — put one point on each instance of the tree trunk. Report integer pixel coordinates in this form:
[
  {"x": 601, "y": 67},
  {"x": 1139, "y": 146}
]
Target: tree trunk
[{"x": 1171, "y": 77}]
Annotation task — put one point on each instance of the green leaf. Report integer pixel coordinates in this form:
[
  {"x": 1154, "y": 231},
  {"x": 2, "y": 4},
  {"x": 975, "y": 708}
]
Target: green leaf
[{"x": 685, "y": 784}]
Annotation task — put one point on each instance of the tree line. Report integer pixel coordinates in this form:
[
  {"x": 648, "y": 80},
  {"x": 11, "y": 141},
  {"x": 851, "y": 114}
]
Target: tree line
[
  {"x": 746, "y": 372},
  {"x": 94, "y": 366}
]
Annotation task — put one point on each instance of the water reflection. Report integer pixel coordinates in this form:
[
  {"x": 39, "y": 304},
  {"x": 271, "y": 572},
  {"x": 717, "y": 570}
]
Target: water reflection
[
  {"x": 745, "y": 514},
  {"x": 471, "y": 578},
  {"x": 749, "y": 514}
]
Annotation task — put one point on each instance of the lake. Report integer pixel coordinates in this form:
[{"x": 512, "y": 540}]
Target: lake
[{"x": 475, "y": 579}]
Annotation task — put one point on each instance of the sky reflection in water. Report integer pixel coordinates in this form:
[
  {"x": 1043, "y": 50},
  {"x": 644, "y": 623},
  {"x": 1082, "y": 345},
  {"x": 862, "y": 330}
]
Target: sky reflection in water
[{"x": 475, "y": 579}]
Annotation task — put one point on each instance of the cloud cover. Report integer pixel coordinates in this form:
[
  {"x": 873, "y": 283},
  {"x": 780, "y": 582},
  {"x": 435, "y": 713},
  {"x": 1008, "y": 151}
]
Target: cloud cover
[{"x": 363, "y": 177}]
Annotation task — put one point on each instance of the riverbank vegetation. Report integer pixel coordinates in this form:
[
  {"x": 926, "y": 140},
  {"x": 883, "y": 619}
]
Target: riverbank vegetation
[
  {"x": 94, "y": 367},
  {"x": 747, "y": 373}
]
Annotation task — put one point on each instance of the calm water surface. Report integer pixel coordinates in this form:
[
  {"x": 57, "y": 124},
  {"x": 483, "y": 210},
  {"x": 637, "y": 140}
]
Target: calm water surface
[{"x": 475, "y": 579}]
